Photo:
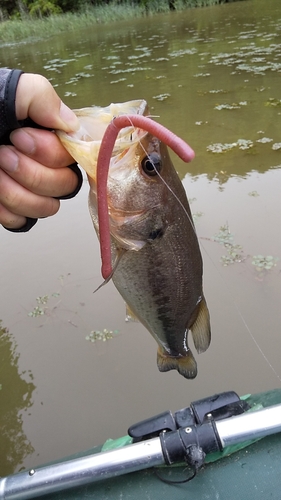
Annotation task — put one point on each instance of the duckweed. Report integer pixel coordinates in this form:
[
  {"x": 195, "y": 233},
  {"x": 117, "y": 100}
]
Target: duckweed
[
  {"x": 37, "y": 311},
  {"x": 234, "y": 252},
  {"x": 41, "y": 301},
  {"x": 224, "y": 236},
  {"x": 264, "y": 263},
  {"x": 102, "y": 335}
]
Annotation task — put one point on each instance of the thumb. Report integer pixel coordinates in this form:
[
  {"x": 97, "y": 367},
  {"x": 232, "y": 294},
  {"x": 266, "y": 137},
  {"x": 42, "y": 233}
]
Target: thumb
[{"x": 36, "y": 98}]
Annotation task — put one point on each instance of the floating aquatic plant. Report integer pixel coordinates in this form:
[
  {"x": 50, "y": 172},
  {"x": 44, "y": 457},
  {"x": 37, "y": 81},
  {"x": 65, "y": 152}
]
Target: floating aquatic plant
[
  {"x": 197, "y": 216},
  {"x": 117, "y": 81},
  {"x": 234, "y": 105},
  {"x": 102, "y": 335},
  {"x": 273, "y": 102},
  {"x": 264, "y": 263},
  {"x": 217, "y": 91},
  {"x": 224, "y": 236},
  {"x": 253, "y": 193},
  {"x": 161, "y": 97},
  {"x": 74, "y": 79},
  {"x": 201, "y": 74},
  {"x": 37, "y": 311},
  {"x": 222, "y": 148},
  {"x": 264, "y": 140},
  {"x": 234, "y": 254},
  {"x": 41, "y": 301},
  {"x": 182, "y": 52},
  {"x": 244, "y": 144}
]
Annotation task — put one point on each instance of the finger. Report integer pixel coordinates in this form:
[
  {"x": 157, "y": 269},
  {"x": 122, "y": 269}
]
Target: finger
[
  {"x": 20, "y": 201},
  {"x": 10, "y": 220},
  {"x": 41, "y": 145},
  {"x": 33, "y": 176},
  {"x": 37, "y": 99}
]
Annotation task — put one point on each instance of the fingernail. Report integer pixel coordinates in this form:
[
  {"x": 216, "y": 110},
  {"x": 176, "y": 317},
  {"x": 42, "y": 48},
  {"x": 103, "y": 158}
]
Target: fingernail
[
  {"x": 8, "y": 159},
  {"x": 69, "y": 118},
  {"x": 23, "y": 141}
]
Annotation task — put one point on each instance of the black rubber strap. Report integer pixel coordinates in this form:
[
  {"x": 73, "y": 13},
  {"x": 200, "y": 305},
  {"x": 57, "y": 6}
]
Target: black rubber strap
[
  {"x": 74, "y": 167},
  {"x": 28, "y": 225}
]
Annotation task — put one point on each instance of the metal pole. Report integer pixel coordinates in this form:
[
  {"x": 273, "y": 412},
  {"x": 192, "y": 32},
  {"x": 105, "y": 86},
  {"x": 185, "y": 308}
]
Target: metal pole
[
  {"x": 251, "y": 425},
  {"x": 81, "y": 471}
]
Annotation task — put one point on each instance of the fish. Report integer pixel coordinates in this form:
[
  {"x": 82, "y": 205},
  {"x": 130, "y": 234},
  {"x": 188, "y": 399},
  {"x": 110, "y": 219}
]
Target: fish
[{"x": 156, "y": 263}]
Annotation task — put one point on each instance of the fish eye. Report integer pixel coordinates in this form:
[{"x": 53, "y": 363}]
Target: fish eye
[{"x": 151, "y": 164}]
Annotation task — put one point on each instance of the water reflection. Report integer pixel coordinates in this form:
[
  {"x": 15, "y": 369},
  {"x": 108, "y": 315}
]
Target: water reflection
[{"x": 16, "y": 398}]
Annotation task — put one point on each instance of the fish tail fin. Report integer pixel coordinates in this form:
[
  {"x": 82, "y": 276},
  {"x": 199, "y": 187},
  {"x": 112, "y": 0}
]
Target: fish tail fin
[
  {"x": 185, "y": 365},
  {"x": 201, "y": 329}
]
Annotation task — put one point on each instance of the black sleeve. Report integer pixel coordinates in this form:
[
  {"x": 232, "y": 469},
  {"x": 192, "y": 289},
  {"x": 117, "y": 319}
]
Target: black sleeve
[
  {"x": 8, "y": 86},
  {"x": 8, "y": 122}
]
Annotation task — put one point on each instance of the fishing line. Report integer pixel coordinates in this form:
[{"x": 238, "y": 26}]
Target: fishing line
[
  {"x": 170, "y": 189},
  {"x": 247, "y": 328},
  {"x": 232, "y": 300}
]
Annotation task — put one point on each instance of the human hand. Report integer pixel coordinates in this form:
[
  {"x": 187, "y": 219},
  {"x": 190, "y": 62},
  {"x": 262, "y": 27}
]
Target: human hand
[{"x": 34, "y": 170}]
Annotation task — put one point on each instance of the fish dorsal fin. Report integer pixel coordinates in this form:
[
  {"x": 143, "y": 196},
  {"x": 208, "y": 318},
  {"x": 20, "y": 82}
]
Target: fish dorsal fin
[{"x": 201, "y": 329}]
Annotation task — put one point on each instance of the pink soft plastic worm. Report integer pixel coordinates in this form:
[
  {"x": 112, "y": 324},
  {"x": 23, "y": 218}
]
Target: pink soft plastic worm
[{"x": 173, "y": 141}]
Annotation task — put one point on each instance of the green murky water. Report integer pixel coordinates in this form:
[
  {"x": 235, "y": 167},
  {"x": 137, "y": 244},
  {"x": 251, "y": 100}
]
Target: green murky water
[{"x": 73, "y": 372}]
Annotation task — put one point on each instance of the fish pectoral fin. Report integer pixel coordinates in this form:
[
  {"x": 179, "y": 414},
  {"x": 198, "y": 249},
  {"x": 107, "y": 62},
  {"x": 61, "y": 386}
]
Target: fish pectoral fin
[
  {"x": 200, "y": 328},
  {"x": 185, "y": 365},
  {"x": 117, "y": 260}
]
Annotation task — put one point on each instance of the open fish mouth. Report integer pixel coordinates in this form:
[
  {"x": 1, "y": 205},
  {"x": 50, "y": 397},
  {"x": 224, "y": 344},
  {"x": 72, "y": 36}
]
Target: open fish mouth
[
  {"x": 104, "y": 137},
  {"x": 85, "y": 143}
]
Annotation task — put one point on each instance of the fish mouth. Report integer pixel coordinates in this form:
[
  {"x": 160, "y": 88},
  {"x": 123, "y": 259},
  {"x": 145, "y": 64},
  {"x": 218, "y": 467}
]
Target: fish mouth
[{"x": 84, "y": 144}]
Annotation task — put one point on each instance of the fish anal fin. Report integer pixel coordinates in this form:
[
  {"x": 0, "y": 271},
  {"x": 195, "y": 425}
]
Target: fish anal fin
[
  {"x": 185, "y": 365},
  {"x": 200, "y": 328}
]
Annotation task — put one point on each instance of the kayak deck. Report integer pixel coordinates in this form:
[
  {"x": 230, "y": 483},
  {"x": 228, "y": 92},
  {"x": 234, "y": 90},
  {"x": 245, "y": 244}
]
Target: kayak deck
[{"x": 253, "y": 472}]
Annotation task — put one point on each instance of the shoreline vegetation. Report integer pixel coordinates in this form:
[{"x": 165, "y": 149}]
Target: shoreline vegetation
[{"x": 25, "y": 24}]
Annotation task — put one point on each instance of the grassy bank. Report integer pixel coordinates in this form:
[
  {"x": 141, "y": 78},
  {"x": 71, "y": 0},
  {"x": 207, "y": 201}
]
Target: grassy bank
[{"x": 27, "y": 28}]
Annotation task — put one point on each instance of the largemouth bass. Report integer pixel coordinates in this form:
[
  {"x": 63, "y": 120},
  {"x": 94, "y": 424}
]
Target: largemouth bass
[{"x": 156, "y": 260}]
